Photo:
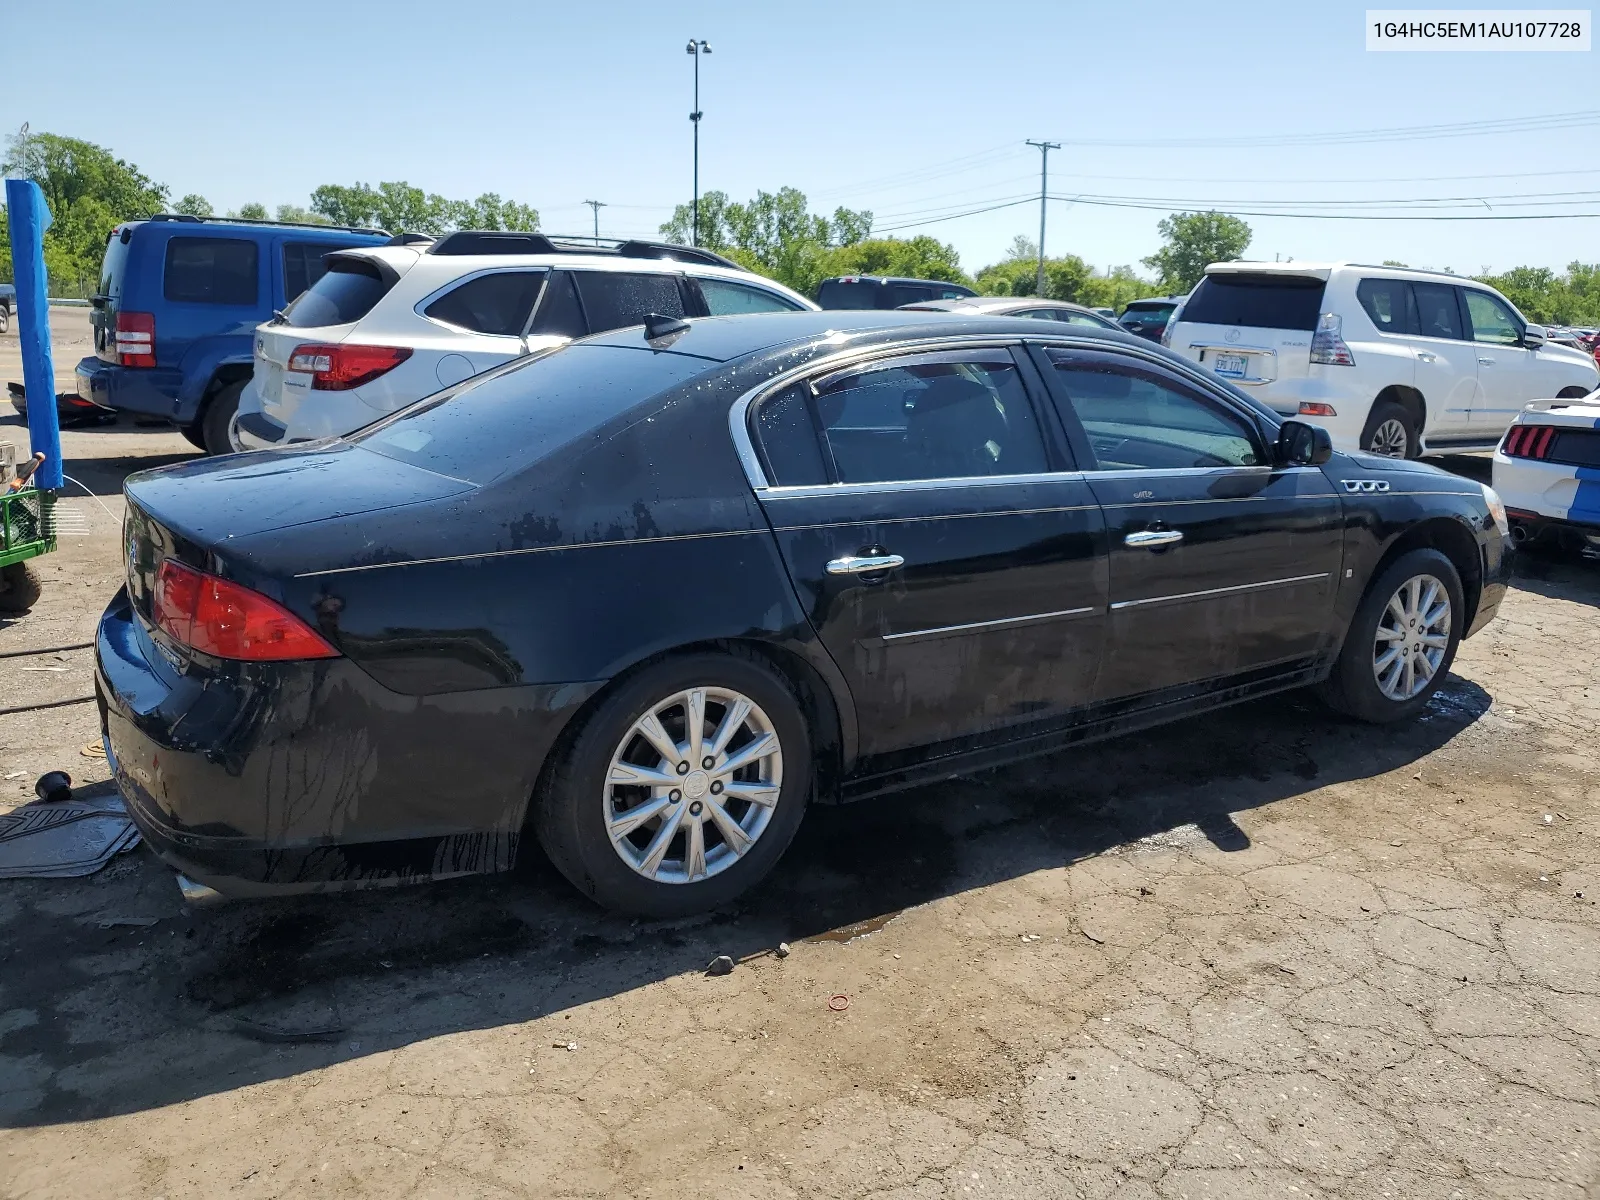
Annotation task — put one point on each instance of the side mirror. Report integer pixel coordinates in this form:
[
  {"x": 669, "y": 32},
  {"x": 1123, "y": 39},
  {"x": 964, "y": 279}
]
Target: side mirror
[
  {"x": 1535, "y": 336},
  {"x": 1302, "y": 445}
]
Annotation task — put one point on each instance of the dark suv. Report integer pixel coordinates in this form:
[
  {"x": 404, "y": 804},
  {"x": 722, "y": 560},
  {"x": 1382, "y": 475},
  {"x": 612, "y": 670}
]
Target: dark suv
[
  {"x": 885, "y": 291},
  {"x": 177, "y": 307}
]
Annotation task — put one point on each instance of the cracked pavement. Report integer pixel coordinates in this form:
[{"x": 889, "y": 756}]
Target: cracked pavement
[{"x": 1263, "y": 953}]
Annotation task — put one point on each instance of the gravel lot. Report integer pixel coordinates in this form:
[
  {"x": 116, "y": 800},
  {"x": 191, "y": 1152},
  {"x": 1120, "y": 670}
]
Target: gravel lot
[{"x": 1259, "y": 954}]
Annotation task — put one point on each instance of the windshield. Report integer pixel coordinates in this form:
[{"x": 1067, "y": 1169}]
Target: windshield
[{"x": 513, "y": 418}]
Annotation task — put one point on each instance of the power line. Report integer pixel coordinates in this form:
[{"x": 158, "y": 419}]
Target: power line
[{"x": 1399, "y": 133}]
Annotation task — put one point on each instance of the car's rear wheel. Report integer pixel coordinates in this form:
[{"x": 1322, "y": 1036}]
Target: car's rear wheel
[
  {"x": 218, "y": 416},
  {"x": 195, "y": 435},
  {"x": 1391, "y": 431},
  {"x": 1402, "y": 640},
  {"x": 682, "y": 789},
  {"x": 5, "y": 319}
]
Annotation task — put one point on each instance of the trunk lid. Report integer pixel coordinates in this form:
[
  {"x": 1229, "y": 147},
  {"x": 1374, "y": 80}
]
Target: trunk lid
[
  {"x": 201, "y": 512},
  {"x": 1253, "y": 328}
]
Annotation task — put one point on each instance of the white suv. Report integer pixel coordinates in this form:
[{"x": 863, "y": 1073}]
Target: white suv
[
  {"x": 389, "y": 325},
  {"x": 1388, "y": 359}
]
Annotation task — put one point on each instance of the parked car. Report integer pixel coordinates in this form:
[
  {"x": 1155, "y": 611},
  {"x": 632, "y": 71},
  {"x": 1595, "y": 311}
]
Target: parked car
[
  {"x": 1547, "y": 470},
  {"x": 1147, "y": 318},
  {"x": 1392, "y": 360},
  {"x": 178, "y": 303},
  {"x": 884, "y": 291},
  {"x": 1017, "y": 306},
  {"x": 388, "y": 326},
  {"x": 8, "y": 305},
  {"x": 647, "y": 595}
]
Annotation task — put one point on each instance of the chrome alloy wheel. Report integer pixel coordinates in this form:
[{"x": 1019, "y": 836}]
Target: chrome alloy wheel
[
  {"x": 693, "y": 785},
  {"x": 1389, "y": 439},
  {"x": 1413, "y": 635}
]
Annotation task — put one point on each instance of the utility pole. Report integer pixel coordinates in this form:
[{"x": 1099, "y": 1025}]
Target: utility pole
[
  {"x": 597, "y": 205},
  {"x": 696, "y": 48},
  {"x": 1044, "y": 175}
]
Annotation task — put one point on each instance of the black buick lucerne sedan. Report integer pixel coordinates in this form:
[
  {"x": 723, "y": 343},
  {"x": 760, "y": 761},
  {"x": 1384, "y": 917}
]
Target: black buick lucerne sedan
[{"x": 647, "y": 596}]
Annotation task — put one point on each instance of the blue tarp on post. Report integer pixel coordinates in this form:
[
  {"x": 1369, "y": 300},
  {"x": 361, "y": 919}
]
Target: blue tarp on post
[{"x": 28, "y": 216}]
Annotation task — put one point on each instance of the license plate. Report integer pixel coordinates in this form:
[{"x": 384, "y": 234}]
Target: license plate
[{"x": 1230, "y": 366}]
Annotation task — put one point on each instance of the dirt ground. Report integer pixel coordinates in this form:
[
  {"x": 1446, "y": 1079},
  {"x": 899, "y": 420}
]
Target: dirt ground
[{"x": 1259, "y": 954}]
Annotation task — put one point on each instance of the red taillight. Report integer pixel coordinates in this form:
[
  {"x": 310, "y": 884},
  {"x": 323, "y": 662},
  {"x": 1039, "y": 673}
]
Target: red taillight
[
  {"x": 1311, "y": 408},
  {"x": 221, "y": 618},
  {"x": 340, "y": 368},
  {"x": 136, "y": 339},
  {"x": 1529, "y": 441}
]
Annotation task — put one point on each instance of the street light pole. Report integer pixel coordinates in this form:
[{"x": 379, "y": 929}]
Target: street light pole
[
  {"x": 1044, "y": 174},
  {"x": 597, "y": 205},
  {"x": 696, "y": 48}
]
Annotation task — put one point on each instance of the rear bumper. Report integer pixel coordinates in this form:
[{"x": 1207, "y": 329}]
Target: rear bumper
[
  {"x": 257, "y": 431},
  {"x": 310, "y": 776},
  {"x": 152, "y": 391}
]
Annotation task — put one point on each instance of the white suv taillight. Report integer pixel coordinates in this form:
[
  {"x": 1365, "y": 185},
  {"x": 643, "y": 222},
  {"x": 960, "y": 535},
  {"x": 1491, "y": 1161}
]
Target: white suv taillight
[
  {"x": 338, "y": 368},
  {"x": 1166, "y": 330},
  {"x": 1328, "y": 345}
]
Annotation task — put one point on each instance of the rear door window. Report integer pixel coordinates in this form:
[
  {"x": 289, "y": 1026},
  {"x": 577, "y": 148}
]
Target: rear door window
[
  {"x": 1491, "y": 320},
  {"x": 496, "y": 304},
  {"x": 558, "y": 314},
  {"x": 787, "y": 438},
  {"x": 1388, "y": 303},
  {"x": 1259, "y": 301},
  {"x": 725, "y": 298},
  {"x": 940, "y": 416},
  {"x": 303, "y": 264},
  {"x": 202, "y": 270},
  {"x": 615, "y": 299},
  {"x": 346, "y": 292},
  {"x": 1438, "y": 314}
]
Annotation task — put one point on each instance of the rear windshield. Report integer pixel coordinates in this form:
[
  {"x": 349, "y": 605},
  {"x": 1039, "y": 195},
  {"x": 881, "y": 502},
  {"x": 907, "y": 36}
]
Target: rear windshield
[
  {"x": 112, "y": 268},
  {"x": 515, "y": 417},
  {"x": 835, "y": 294},
  {"x": 1147, "y": 314},
  {"x": 345, "y": 294},
  {"x": 1262, "y": 301}
]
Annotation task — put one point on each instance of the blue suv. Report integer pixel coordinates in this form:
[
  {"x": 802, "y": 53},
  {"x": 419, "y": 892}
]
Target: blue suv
[{"x": 179, "y": 300}]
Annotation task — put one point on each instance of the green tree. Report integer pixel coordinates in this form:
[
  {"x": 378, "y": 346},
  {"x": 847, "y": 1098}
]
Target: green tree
[
  {"x": 251, "y": 212},
  {"x": 194, "y": 205},
  {"x": 918, "y": 257},
  {"x": 400, "y": 207},
  {"x": 1194, "y": 241},
  {"x": 89, "y": 190},
  {"x": 1065, "y": 278},
  {"x": 774, "y": 234},
  {"x": 1543, "y": 295},
  {"x": 300, "y": 216}
]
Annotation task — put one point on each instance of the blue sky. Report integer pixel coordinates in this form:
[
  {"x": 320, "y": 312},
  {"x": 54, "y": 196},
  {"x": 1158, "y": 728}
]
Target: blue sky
[{"x": 911, "y": 110}]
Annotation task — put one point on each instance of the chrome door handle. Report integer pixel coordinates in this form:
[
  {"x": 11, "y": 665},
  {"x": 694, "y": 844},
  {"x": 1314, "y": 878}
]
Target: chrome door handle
[
  {"x": 1424, "y": 356},
  {"x": 1153, "y": 539},
  {"x": 865, "y": 564},
  {"x": 1486, "y": 362}
]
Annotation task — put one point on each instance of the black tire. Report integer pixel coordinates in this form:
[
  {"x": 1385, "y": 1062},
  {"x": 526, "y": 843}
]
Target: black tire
[
  {"x": 1380, "y": 426},
  {"x": 194, "y": 434},
  {"x": 1353, "y": 687},
  {"x": 218, "y": 416},
  {"x": 19, "y": 588},
  {"x": 569, "y": 815},
  {"x": 5, "y": 319}
]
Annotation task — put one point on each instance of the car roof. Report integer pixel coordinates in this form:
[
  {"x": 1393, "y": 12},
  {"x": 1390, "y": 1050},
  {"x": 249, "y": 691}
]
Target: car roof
[
  {"x": 1153, "y": 300},
  {"x": 1323, "y": 270},
  {"x": 891, "y": 279},
  {"x": 722, "y": 339},
  {"x": 994, "y": 304},
  {"x": 182, "y": 224}
]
